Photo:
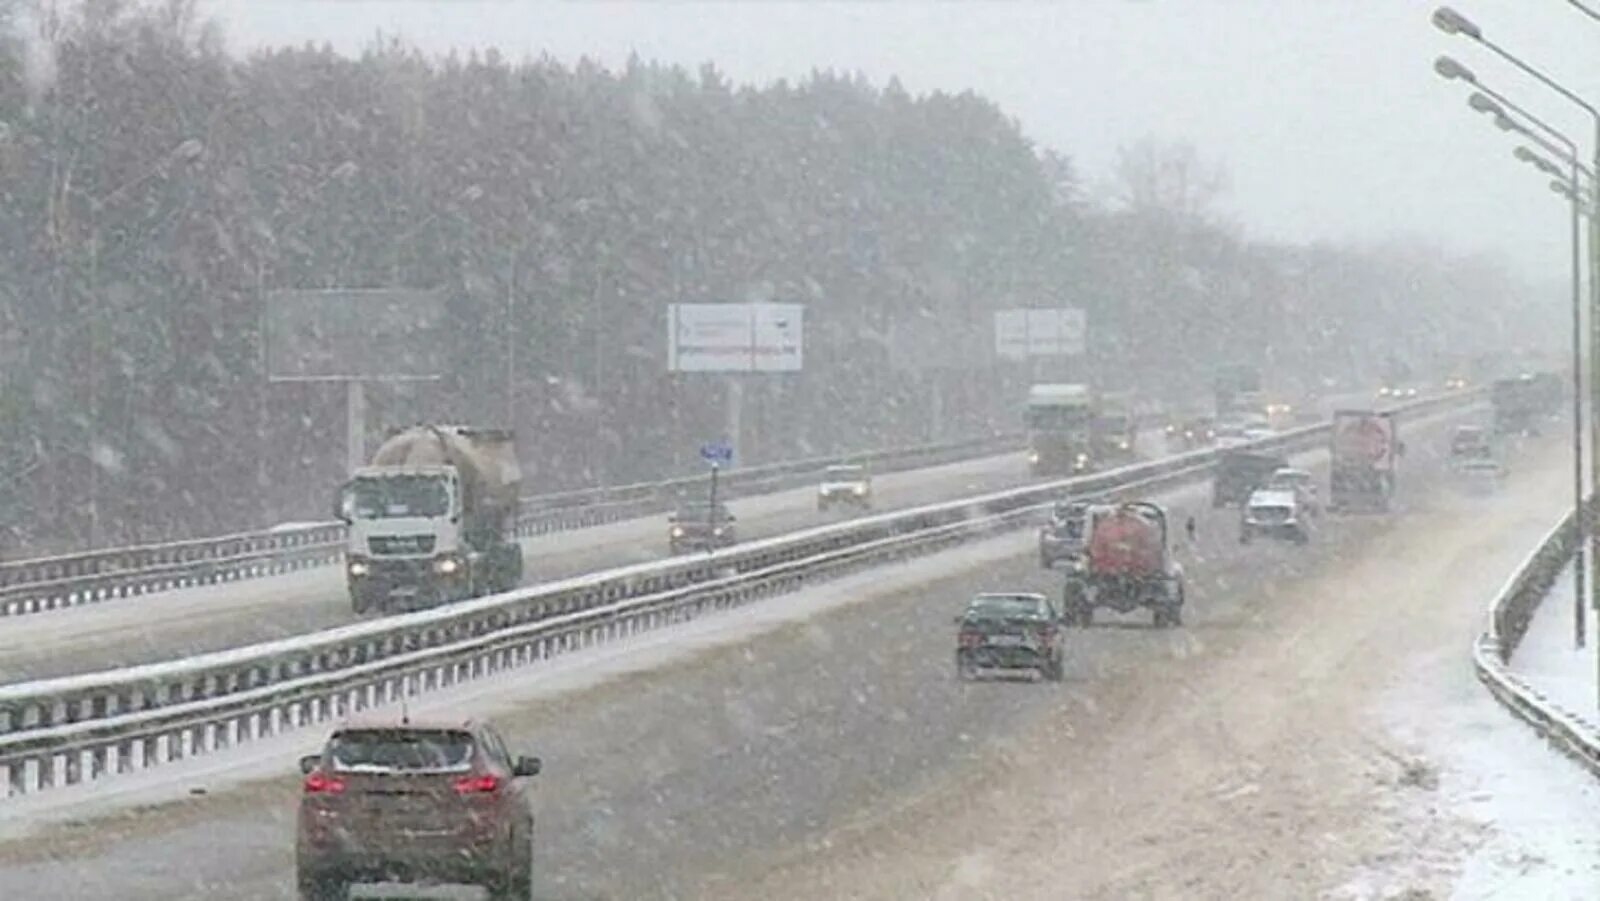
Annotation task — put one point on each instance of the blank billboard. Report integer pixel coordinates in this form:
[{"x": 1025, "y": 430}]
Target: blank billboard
[{"x": 345, "y": 334}]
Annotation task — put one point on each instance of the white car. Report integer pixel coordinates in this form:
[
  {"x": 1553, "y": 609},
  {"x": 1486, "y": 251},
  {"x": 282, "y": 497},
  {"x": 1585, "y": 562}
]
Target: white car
[
  {"x": 1302, "y": 483},
  {"x": 1274, "y": 513},
  {"x": 845, "y": 484}
]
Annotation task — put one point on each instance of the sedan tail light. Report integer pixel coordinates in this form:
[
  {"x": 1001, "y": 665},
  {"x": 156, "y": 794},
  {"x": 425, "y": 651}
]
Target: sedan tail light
[
  {"x": 486, "y": 784},
  {"x": 320, "y": 783}
]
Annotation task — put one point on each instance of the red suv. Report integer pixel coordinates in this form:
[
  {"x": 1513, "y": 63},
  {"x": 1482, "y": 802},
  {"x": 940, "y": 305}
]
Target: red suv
[{"x": 418, "y": 802}]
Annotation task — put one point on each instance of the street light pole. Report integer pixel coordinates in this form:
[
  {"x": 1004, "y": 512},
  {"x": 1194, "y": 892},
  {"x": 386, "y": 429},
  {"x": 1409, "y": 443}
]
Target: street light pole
[
  {"x": 1451, "y": 70},
  {"x": 1452, "y": 22}
]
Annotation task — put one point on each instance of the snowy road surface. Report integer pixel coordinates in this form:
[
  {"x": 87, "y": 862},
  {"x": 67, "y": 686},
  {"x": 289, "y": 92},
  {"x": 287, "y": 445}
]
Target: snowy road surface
[{"x": 837, "y": 756}]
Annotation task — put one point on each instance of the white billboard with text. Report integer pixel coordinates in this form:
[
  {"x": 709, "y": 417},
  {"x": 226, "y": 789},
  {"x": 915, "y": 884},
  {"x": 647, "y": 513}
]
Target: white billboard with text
[{"x": 734, "y": 337}]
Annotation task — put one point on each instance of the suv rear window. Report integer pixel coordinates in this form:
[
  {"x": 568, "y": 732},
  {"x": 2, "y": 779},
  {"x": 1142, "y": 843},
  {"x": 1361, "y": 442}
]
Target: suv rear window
[
  {"x": 1005, "y": 607},
  {"x": 401, "y": 751}
]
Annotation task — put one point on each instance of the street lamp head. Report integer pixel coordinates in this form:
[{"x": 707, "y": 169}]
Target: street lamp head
[
  {"x": 1451, "y": 70},
  {"x": 1449, "y": 21},
  {"x": 1524, "y": 154},
  {"x": 1506, "y": 123},
  {"x": 1483, "y": 104},
  {"x": 1561, "y": 187}
]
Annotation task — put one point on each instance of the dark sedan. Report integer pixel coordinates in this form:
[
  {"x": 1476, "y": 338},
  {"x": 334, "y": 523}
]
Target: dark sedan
[
  {"x": 700, "y": 526},
  {"x": 1010, "y": 632}
]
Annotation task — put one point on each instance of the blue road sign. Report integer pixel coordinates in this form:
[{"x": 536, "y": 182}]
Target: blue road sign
[{"x": 717, "y": 452}]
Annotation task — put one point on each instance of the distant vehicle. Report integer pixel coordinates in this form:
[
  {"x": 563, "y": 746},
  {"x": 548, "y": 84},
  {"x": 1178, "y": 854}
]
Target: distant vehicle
[
  {"x": 1059, "y": 421},
  {"x": 1274, "y": 513},
  {"x": 1258, "y": 432},
  {"x": 1302, "y": 483},
  {"x": 1114, "y": 430},
  {"x": 1128, "y": 565},
  {"x": 1064, "y": 537},
  {"x": 1455, "y": 383},
  {"x": 1239, "y": 472},
  {"x": 1010, "y": 631},
  {"x": 1191, "y": 434},
  {"x": 1469, "y": 442},
  {"x": 1365, "y": 452},
  {"x": 701, "y": 526},
  {"x": 1483, "y": 474},
  {"x": 429, "y": 803},
  {"x": 845, "y": 484},
  {"x": 1231, "y": 434},
  {"x": 1517, "y": 405},
  {"x": 1237, "y": 388},
  {"x": 1397, "y": 392}
]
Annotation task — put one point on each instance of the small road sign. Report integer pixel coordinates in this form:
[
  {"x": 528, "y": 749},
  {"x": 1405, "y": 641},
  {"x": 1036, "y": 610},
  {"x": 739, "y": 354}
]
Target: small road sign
[{"x": 717, "y": 452}]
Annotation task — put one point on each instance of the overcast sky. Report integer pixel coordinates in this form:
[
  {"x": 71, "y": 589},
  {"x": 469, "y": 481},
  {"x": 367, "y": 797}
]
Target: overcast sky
[{"x": 1327, "y": 114}]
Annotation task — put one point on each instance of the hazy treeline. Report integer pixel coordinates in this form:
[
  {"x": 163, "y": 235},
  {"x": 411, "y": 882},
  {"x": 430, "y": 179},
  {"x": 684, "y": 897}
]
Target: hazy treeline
[{"x": 153, "y": 187}]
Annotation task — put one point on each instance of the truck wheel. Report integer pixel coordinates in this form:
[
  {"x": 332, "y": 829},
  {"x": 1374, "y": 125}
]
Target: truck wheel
[
  {"x": 1244, "y": 537},
  {"x": 1055, "y": 668},
  {"x": 359, "y": 604}
]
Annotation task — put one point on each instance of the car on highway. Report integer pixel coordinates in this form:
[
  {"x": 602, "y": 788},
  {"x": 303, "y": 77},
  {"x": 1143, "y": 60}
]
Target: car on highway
[
  {"x": 846, "y": 485},
  {"x": 701, "y": 526},
  {"x": 1302, "y": 483},
  {"x": 1008, "y": 631},
  {"x": 1274, "y": 513},
  {"x": 1231, "y": 434},
  {"x": 435, "y": 802},
  {"x": 1192, "y": 433},
  {"x": 1483, "y": 475},
  {"x": 1470, "y": 442}
]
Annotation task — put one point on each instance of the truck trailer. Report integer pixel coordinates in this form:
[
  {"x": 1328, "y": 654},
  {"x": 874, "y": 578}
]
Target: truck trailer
[{"x": 1365, "y": 450}]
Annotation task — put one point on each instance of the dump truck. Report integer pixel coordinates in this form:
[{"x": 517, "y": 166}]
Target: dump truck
[
  {"x": 1128, "y": 564},
  {"x": 1059, "y": 419},
  {"x": 432, "y": 519},
  {"x": 1364, "y": 449}
]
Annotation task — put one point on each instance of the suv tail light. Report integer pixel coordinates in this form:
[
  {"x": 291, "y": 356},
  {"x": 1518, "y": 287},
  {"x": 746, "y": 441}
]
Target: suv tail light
[
  {"x": 320, "y": 783},
  {"x": 486, "y": 784}
]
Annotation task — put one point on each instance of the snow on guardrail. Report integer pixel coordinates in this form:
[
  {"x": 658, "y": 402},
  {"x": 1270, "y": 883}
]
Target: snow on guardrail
[{"x": 1509, "y": 615}]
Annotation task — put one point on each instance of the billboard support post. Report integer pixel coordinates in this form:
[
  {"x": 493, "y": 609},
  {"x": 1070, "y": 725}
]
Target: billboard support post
[
  {"x": 355, "y": 425},
  {"x": 735, "y": 416}
]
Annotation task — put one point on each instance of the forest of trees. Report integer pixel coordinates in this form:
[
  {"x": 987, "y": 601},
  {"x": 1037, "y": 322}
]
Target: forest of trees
[{"x": 155, "y": 187}]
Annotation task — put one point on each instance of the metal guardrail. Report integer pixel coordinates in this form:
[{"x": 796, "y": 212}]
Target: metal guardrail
[
  {"x": 49, "y": 583},
  {"x": 1509, "y": 615},
  {"x": 70, "y": 730}
]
